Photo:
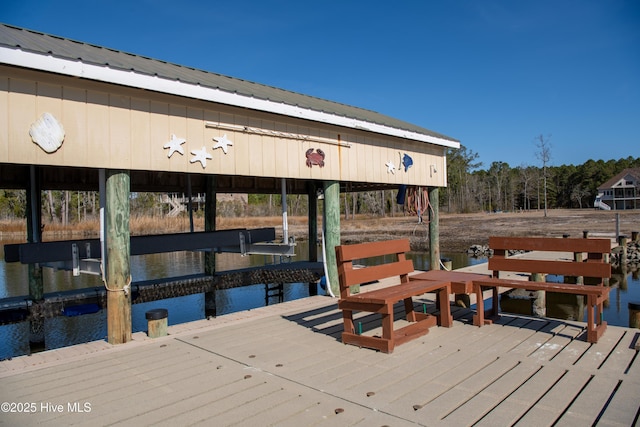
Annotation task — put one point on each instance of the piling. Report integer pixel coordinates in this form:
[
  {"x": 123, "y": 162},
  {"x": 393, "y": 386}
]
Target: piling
[
  {"x": 434, "y": 227},
  {"x": 210, "y": 207},
  {"x": 634, "y": 315},
  {"x": 331, "y": 225},
  {"x": 157, "y": 321},
  {"x": 312, "y": 193},
  {"x": 622, "y": 242},
  {"x": 34, "y": 235},
  {"x": 634, "y": 236},
  {"x": 117, "y": 279}
]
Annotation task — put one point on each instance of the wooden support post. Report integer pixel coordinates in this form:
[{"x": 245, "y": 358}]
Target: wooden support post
[
  {"x": 332, "y": 231},
  {"x": 157, "y": 322},
  {"x": 578, "y": 257},
  {"x": 34, "y": 235},
  {"x": 634, "y": 314},
  {"x": 434, "y": 228},
  {"x": 313, "y": 221},
  {"x": 118, "y": 268},
  {"x": 622, "y": 242},
  {"x": 313, "y": 229},
  {"x": 210, "y": 206}
]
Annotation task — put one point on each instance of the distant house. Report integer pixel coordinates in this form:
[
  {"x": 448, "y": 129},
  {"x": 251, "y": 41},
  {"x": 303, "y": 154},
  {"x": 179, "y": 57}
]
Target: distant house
[{"x": 620, "y": 192}]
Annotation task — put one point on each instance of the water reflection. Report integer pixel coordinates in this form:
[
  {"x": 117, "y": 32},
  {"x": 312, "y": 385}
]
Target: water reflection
[{"x": 62, "y": 331}]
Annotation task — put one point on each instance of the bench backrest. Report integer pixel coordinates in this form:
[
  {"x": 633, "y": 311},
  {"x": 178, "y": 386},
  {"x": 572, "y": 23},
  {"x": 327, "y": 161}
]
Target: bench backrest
[
  {"x": 595, "y": 265},
  {"x": 349, "y": 276}
]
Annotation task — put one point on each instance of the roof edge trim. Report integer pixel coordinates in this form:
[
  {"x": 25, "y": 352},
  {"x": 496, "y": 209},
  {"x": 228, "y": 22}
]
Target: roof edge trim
[{"x": 105, "y": 74}]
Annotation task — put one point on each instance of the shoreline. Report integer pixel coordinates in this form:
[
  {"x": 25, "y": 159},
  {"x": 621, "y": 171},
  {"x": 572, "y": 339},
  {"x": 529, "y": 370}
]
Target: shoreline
[{"x": 458, "y": 232}]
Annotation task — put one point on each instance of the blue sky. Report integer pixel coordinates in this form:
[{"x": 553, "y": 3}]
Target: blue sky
[{"x": 492, "y": 74}]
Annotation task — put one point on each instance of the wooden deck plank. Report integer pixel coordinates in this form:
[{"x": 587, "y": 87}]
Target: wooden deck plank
[
  {"x": 550, "y": 329},
  {"x": 54, "y": 380},
  {"x": 477, "y": 405},
  {"x": 456, "y": 368},
  {"x": 206, "y": 406},
  {"x": 522, "y": 399},
  {"x": 624, "y": 407},
  {"x": 591, "y": 401},
  {"x": 593, "y": 356},
  {"x": 556, "y": 400},
  {"x": 119, "y": 381},
  {"x": 556, "y": 345},
  {"x": 454, "y": 397},
  {"x": 293, "y": 409},
  {"x": 620, "y": 357},
  {"x": 276, "y": 397}
]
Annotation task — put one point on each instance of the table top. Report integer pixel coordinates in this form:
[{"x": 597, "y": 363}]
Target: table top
[{"x": 461, "y": 282}]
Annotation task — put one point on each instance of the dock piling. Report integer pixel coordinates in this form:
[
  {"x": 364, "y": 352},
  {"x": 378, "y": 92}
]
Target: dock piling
[
  {"x": 157, "y": 321},
  {"x": 634, "y": 315}
]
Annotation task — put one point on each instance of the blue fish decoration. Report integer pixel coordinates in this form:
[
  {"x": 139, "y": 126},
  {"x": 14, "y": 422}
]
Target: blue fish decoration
[{"x": 407, "y": 161}]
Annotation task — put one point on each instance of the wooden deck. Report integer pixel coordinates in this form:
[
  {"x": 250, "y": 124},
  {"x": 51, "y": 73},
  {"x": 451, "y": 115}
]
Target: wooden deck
[{"x": 284, "y": 365}]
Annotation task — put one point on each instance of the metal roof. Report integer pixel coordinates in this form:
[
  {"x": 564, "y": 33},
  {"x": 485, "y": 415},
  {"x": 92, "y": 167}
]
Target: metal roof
[{"x": 45, "y": 45}]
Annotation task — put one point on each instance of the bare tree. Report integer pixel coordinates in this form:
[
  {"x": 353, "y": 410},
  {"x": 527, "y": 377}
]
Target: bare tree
[
  {"x": 51, "y": 205},
  {"x": 527, "y": 177},
  {"x": 544, "y": 155},
  {"x": 578, "y": 194},
  {"x": 499, "y": 177}
]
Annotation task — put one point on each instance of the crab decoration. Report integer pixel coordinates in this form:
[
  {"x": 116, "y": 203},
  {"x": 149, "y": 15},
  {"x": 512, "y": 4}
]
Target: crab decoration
[{"x": 315, "y": 158}]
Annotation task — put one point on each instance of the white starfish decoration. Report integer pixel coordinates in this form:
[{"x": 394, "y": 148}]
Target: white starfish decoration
[
  {"x": 390, "y": 167},
  {"x": 201, "y": 156},
  {"x": 174, "y": 145},
  {"x": 222, "y": 142}
]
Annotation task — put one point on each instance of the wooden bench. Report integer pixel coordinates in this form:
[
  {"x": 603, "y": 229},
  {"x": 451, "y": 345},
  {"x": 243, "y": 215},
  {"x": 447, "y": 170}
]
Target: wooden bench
[
  {"x": 588, "y": 273},
  {"x": 383, "y": 299}
]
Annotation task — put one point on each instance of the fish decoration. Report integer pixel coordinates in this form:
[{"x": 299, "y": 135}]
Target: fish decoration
[{"x": 407, "y": 161}]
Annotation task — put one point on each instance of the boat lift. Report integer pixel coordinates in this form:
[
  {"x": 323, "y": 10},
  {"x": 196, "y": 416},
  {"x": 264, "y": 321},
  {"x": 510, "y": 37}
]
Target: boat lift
[{"x": 285, "y": 248}]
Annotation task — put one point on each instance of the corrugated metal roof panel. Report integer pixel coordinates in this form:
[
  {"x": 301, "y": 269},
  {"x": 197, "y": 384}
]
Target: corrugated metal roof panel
[{"x": 40, "y": 43}]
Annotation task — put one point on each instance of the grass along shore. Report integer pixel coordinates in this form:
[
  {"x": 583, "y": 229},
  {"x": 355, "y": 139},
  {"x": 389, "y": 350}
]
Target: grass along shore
[{"x": 457, "y": 231}]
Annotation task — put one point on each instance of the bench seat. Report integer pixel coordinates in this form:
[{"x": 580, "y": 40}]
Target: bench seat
[
  {"x": 594, "y": 268},
  {"x": 381, "y": 301},
  {"x": 395, "y": 293}
]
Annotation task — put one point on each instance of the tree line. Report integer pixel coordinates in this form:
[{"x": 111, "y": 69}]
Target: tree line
[{"x": 500, "y": 187}]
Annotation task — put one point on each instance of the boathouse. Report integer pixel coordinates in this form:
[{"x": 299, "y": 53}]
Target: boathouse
[{"x": 75, "y": 116}]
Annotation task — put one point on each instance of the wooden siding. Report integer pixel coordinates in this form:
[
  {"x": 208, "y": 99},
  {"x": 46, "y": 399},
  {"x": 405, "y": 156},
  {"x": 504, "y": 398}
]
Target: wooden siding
[{"x": 113, "y": 127}]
